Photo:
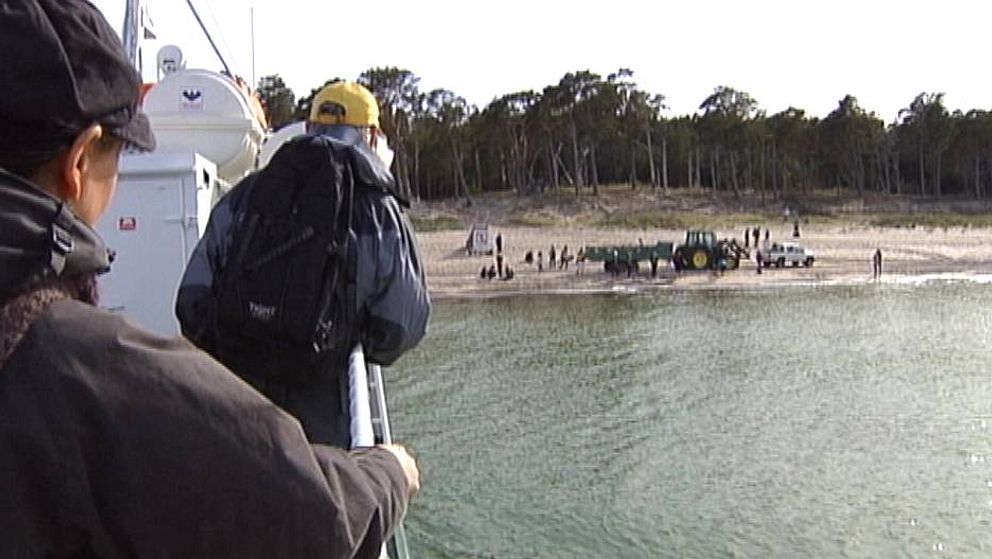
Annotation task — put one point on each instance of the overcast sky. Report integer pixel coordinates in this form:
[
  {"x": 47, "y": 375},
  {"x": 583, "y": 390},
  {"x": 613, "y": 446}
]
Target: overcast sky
[{"x": 806, "y": 53}]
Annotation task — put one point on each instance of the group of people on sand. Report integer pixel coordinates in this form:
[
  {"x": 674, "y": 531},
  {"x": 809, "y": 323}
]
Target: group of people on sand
[
  {"x": 755, "y": 233},
  {"x": 759, "y": 252},
  {"x": 497, "y": 270},
  {"x": 556, "y": 261}
]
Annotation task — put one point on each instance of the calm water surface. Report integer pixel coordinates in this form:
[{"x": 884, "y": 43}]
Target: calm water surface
[{"x": 799, "y": 422}]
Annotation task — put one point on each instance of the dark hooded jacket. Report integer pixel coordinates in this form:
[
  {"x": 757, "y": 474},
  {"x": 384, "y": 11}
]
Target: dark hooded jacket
[
  {"x": 391, "y": 296},
  {"x": 117, "y": 443}
]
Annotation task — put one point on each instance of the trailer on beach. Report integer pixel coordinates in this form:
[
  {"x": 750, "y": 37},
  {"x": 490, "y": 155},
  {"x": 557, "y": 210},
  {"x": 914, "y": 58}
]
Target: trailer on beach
[{"x": 627, "y": 259}]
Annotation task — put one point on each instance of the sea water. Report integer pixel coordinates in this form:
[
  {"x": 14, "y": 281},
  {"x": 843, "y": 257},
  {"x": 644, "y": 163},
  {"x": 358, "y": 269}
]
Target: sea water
[{"x": 793, "y": 422}]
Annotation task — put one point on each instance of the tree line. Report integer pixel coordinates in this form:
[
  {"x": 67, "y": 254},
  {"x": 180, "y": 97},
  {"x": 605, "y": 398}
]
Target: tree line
[{"x": 588, "y": 130}]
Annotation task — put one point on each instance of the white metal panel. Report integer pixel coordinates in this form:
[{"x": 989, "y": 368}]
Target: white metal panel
[{"x": 154, "y": 222}]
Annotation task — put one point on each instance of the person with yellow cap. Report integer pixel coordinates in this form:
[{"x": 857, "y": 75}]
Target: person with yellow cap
[
  {"x": 283, "y": 316},
  {"x": 349, "y": 104},
  {"x": 115, "y": 442}
]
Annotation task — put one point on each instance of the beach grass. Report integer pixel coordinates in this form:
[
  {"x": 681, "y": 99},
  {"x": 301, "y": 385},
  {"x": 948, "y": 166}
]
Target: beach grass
[
  {"x": 931, "y": 220},
  {"x": 618, "y": 207},
  {"x": 427, "y": 224},
  {"x": 535, "y": 220}
]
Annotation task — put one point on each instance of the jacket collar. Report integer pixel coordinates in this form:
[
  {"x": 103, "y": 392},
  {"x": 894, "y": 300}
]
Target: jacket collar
[
  {"x": 40, "y": 238},
  {"x": 370, "y": 169}
]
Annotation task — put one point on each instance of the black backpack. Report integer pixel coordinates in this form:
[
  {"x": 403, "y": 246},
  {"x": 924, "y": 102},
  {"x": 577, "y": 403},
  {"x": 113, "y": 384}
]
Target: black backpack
[{"x": 286, "y": 293}]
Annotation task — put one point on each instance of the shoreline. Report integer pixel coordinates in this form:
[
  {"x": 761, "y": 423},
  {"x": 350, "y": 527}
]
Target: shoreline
[{"x": 843, "y": 258}]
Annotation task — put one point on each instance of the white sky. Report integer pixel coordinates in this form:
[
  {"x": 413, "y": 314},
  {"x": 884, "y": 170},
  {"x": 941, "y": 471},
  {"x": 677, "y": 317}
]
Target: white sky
[{"x": 804, "y": 53}]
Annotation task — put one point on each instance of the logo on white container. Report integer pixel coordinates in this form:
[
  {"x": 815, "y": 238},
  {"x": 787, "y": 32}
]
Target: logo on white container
[{"x": 190, "y": 99}]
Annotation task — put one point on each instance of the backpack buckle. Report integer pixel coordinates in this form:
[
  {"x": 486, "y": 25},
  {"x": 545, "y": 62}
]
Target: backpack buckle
[
  {"x": 62, "y": 246},
  {"x": 62, "y": 240}
]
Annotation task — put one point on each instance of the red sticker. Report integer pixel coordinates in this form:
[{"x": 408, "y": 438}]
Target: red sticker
[{"x": 127, "y": 223}]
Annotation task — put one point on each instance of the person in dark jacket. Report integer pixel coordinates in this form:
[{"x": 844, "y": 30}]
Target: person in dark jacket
[
  {"x": 115, "y": 442},
  {"x": 391, "y": 288},
  {"x": 876, "y": 264}
]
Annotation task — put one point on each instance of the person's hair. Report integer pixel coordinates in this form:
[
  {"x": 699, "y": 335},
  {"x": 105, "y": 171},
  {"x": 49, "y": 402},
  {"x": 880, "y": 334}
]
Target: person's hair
[{"x": 28, "y": 162}]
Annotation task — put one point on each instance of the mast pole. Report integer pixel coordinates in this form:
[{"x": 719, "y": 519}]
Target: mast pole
[
  {"x": 132, "y": 14},
  {"x": 254, "y": 81},
  {"x": 209, "y": 38}
]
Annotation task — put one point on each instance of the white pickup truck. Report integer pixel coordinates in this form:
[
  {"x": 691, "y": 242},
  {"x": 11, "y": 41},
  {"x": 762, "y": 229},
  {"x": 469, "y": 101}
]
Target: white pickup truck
[{"x": 781, "y": 254}]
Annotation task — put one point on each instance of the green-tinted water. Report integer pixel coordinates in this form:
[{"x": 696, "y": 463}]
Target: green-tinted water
[{"x": 830, "y": 422}]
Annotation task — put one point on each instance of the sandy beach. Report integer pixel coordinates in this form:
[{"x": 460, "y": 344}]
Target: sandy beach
[{"x": 843, "y": 256}]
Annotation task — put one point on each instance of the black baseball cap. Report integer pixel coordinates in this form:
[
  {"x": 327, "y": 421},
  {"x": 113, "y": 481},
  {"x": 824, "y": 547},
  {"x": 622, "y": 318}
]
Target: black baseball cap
[{"x": 63, "y": 69}]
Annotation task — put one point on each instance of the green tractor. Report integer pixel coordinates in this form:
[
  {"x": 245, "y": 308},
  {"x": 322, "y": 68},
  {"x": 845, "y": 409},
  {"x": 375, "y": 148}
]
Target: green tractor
[{"x": 703, "y": 251}]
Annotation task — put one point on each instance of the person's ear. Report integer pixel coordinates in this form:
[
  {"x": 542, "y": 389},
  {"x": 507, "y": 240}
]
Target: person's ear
[{"x": 76, "y": 161}]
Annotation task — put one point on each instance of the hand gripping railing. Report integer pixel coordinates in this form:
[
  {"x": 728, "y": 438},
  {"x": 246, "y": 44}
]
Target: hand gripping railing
[{"x": 370, "y": 424}]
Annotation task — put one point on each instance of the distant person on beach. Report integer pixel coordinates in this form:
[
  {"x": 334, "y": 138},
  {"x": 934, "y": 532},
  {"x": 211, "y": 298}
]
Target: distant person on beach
[
  {"x": 499, "y": 243},
  {"x": 757, "y": 259},
  {"x": 529, "y": 257},
  {"x": 747, "y": 237},
  {"x": 756, "y": 232},
  {"x": 499, "y": 264},
  {"x": 492, "y": 272},
  {"x": 508, "y": 275},
  {"x": 795, "y": 229},
  {"x": 540, "y": 261},
  {"x": 563, "y": 260},
  {"x": 551, "y": 258},
  {"x": 580, "y": 261},
  {"x": 876, "y": 264}
]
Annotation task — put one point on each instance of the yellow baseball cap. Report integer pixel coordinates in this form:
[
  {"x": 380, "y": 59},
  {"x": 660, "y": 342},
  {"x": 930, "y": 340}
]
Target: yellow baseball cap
[{"x": 345, "y": 103}]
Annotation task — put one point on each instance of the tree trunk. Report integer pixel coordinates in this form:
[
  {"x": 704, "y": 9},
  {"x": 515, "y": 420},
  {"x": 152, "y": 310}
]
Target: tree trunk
[
  {"x": 553, "y": 164},
  {"x": 978, "y": 177},
  {"x": 664, "y": 162},
  {"x": 923, "y": 182},
  {"x": 416, "y": 168},
  {"x": 896, "y": 173},
  {"x": 749, "y": 176},
  {"x": 764, "y": 171},
  {"x": 699, "y": 166},
  {"x": 594, "y": 168},
  {"x": 862, "y": 175},
  {"x": 989, "y": 174},
  {"x": 776, "y": 165},
  {"x": 689, "y": 173},
  {"x": 714, "y": 167},
  {"x": 575, "y": 156},
  {"x": 504, "y": 173},
  {"x": 478, "y": 172},
  {"x": 460, "y": 182},
  {"x": 652, "y": 171},
  {"x": 633, "y": 166},
  {"x": 733, "y": 175},
  {"x": 936, "y": 176},
  {"x": 883, "y": 166},
  {"x": 562, "y": 168}
]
